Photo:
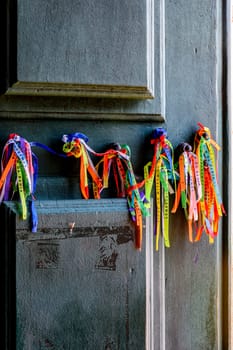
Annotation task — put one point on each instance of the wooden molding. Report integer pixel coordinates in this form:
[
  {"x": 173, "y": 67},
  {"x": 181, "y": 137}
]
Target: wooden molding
[{"x": 79, "y": 90}]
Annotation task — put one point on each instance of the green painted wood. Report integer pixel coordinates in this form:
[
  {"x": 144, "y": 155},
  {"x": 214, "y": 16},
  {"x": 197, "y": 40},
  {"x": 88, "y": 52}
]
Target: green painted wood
[
  {"x": 193, "y": 272},
  {"x": 74, "y": 43},
  {"x": 8, "y": 279},
  {"x": 187, "y": 277},
  {"x": 80, "y": 289},
  {"x": 85, "y": 63}
]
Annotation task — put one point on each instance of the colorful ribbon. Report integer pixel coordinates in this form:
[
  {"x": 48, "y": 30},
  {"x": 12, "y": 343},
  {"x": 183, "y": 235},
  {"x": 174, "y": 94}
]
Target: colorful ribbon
[
  {"x": 116, "y": 159},
  {"x": 161, "y": 171},
  {"x": 210, "y": 207},
  {"x": 18, "y": 175},
  {"x": 189, "y": 189},
  {"x": 76, "y": 145},
  {"x": 19, "y": 171},
  {"x": 126, "y": 185}
]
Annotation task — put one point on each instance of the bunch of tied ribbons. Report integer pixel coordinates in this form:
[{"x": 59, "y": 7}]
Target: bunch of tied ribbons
[
  {"x": 161, "y": 171},
  {"x": 19, "y": 171},
  {"x": 189, "y": 191},
  {"x": 198, "y": 189},
  {"x": 115, "y": 160},
  {"x": 18, "y": 175},
  {"x": 210, "y": 206}
]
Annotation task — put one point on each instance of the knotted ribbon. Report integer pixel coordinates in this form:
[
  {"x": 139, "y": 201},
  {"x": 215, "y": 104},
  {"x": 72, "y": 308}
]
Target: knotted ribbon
[
  {"x": 76, "y": 145},
  {"x": 189, "y": 190},
  {"x": 160, "y": 170},
  {"x": 19, "y": 172},
  {"x": 210, "y": 207},
  {"x": 117, "y": 159},
  {"x": 18, "y": 175}
]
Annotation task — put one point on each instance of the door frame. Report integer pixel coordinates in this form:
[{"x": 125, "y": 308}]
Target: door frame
[
  {"x": 227, "y": 271},
  {"x": 230, "y": 191}
]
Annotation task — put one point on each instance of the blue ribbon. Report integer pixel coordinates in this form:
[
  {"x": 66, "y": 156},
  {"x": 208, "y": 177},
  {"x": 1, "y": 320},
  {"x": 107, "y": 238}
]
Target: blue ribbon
[
  {"x": 73, "y": 136},
  {"x": 46, "y": 148}
]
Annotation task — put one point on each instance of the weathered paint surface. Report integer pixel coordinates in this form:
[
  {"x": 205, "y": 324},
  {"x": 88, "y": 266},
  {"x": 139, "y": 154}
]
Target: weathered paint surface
[
  {"x": 80, "y": 288},
  {"x": 81, "y": 50},
  {"x": 193, "y": 272}
]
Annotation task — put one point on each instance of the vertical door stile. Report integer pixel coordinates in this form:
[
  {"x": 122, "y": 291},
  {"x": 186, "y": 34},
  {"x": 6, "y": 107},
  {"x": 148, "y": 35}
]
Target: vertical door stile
[{"x": 149, "y": 282}]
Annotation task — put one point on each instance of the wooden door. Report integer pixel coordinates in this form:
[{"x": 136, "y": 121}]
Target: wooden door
[{"x": 113, "y": 70}]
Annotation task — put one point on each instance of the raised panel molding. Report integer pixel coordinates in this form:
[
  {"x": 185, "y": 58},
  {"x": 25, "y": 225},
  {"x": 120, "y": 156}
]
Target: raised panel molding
[
  {"x": 81, "y": 52},
  {"x": 79, "y": 90},
  {"x": 84, "y": 49}
]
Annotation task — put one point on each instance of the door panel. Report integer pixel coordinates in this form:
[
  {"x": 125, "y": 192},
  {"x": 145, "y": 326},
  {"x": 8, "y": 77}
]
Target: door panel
[
  {"x": 84, "y": 287},
  {"x": 83, "y": 50}
]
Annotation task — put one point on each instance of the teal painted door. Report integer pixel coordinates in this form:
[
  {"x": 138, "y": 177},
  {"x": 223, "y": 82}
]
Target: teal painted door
[{"x": 113, "y": 70}]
